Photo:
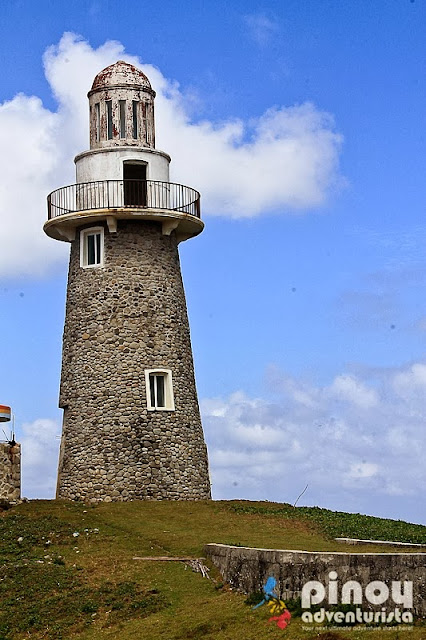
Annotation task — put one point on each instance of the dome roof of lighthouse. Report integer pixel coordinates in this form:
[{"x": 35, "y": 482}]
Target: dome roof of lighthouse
[{"x": 120, "y": 74}]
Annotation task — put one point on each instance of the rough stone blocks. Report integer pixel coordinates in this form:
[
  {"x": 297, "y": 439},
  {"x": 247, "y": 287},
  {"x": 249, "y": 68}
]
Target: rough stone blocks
[
  {"x": 10, "y": 471},
  {"x": 121, "y": 319}
]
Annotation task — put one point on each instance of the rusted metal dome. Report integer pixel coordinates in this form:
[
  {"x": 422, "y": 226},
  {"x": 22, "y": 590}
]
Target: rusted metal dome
[{"x": 120, "y": 74}]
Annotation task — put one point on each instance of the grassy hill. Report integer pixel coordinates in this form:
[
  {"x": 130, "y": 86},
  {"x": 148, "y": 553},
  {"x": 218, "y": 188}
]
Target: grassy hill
[{"x": 67, "y": 569}]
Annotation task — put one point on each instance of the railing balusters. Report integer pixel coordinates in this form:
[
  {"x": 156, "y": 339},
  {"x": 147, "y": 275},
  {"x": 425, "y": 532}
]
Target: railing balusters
[{"x": 106, "y": 194}]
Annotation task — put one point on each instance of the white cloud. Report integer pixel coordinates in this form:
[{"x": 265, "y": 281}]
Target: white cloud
[
  {"x": 349, "y": 389},
  {"x": 356, "y": 442},
  {"x": 285, "y": 160},
  {"x": 28, "y": 161},
  {"x": 260, "y": 28},
  {"x": 411, "y": 384},
  {"x": 39, "y": 446}
]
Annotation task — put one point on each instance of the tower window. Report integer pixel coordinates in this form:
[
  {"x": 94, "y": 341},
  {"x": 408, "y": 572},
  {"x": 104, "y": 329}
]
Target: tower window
[
  {"x": 109, "y": 119},
  {"x": 122, "y": 105},
  {"x": 159, "y": 390},
  {"x": 135, "y": 118},
  {"x": 98, "y": 121},
  {"x": 92, "y": 247}
]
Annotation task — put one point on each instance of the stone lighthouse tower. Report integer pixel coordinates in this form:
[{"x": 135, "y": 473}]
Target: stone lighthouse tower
[{"x": 131, "y": 424}]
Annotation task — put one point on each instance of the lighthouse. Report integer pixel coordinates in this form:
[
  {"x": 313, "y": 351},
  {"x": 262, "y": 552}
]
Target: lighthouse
[{"x": 131, "y": 420}]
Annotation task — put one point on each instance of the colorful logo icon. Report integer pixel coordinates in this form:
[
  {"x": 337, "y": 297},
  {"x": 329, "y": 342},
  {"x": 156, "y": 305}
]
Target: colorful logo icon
[{"x": 281, "y": 615}]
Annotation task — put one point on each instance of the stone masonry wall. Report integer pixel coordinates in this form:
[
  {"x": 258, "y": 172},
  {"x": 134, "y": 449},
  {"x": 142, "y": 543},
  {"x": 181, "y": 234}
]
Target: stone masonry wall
[
  {"x": 122, "y": 318},
  {"x": 10, "y": 471},
  {"x": 248, "y": 569}
]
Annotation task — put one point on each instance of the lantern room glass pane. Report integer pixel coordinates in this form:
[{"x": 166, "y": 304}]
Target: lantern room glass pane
[
  {"x": 135, "y": 119},
  {"x": 109, "y": 119},
  {"x": 144, "y": 121},
  {"x": 98, "y": 121},
  {"x": 122, "y": 105}
]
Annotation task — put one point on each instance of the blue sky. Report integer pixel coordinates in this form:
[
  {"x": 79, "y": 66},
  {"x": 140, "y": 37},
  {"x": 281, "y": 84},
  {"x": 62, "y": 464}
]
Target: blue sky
[{"x": 303, "y": 125}]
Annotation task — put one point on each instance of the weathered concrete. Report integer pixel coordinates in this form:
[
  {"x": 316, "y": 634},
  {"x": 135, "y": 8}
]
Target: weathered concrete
[
  {"x": 107, "y": 164},
  {"x": 121, "y": 82},
  {"x": 248, "y": 569},
  {"x": 10, "y": 471}
]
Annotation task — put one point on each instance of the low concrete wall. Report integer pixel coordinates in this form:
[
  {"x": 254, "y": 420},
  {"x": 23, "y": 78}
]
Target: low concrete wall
[
  {"x": 10, "y": 471},
  {"x": 248, "y": 569}
]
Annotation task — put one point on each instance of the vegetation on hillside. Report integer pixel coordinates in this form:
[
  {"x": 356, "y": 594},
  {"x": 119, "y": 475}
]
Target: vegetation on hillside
[
  {"x": 67, "y": 569},
  {"x": 337, "y": 524}
]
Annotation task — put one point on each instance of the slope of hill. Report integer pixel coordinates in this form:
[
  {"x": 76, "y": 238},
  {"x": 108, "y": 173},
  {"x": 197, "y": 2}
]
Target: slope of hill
[{"x": 67, "y": 569}]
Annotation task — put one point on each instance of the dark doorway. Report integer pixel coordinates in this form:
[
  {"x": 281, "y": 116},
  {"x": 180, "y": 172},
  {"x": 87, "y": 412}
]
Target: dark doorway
[{"x": 134, "y": 185}]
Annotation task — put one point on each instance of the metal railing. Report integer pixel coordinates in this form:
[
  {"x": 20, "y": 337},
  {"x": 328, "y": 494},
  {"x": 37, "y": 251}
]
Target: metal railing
[{"x": 114, "y": 194}]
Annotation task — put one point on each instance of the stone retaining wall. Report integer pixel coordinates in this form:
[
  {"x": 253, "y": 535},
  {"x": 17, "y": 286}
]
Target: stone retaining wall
[
  {"x": 10, "y": 471},
  {"x": 248, "y": 569}
]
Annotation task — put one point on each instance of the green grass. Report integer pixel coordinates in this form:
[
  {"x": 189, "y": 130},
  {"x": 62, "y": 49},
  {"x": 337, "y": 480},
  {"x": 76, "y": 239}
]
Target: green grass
[
  {"x": 346, "y": 525},
  {"x": 65, "y": 600},
  {"x": 56, "y": 585}
]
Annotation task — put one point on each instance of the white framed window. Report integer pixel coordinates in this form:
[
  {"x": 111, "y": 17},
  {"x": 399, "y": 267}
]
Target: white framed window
[
  {"x": 92, "y": 247},
  {"x": 159, "y": 390}
]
